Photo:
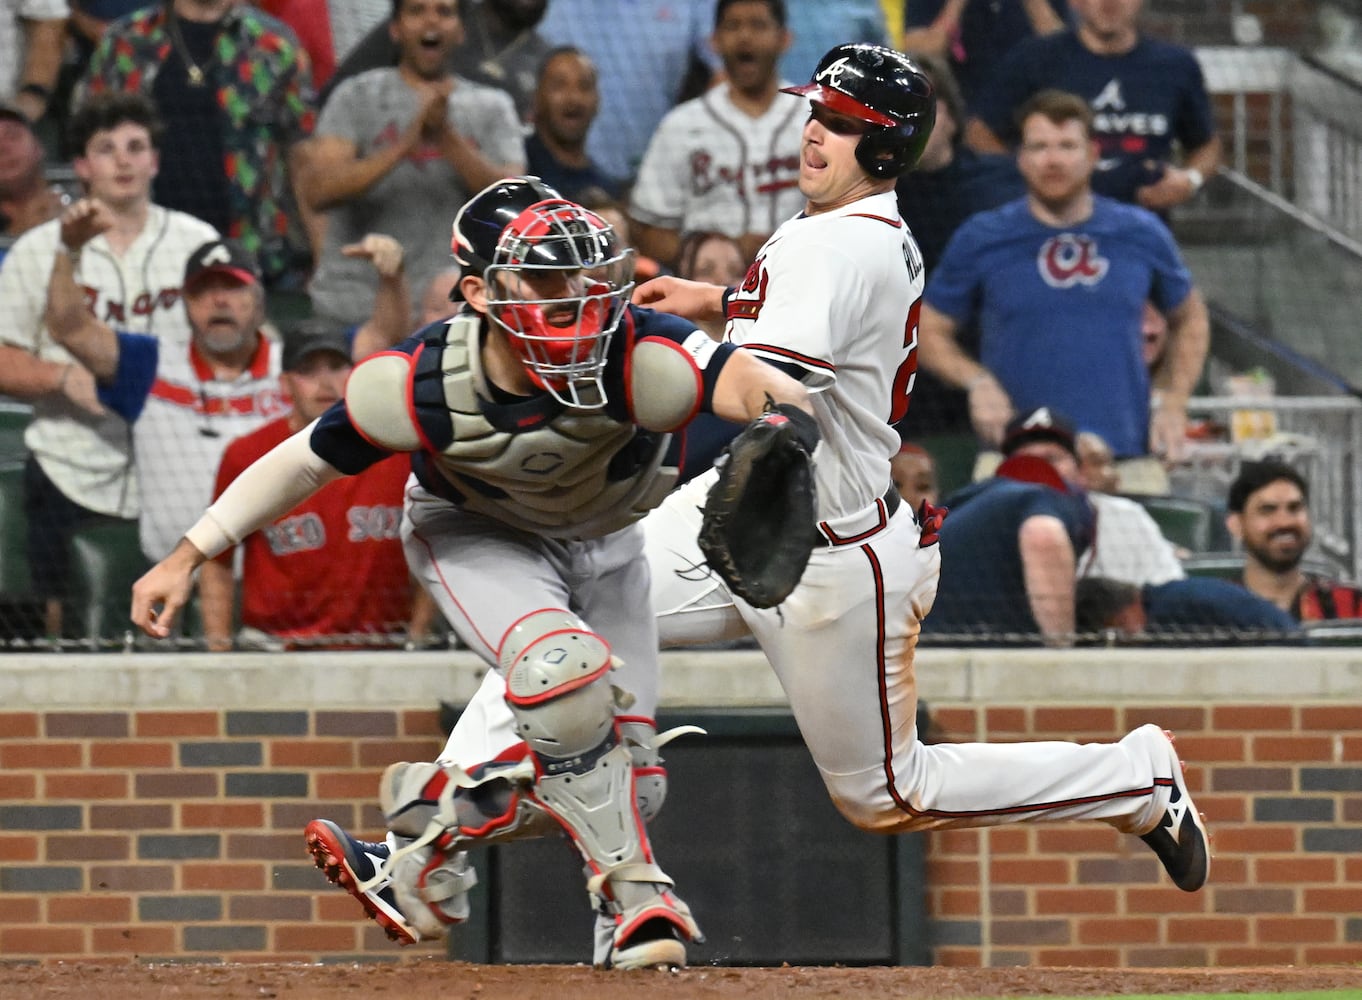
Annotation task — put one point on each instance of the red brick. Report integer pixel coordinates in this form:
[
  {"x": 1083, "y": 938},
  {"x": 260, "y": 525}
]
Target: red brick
[
  {"x": 1223, "y": 808},
  {"x": 128, "y": 753},
  {"x": 1167, "y": 958},
  {"x": 1332, "y": 718},
  {"x": 14, "y": 787},
  {"x": 41, "y": 756},
  {"x": 1253, "y": 779},
  {"x": 419, "y": 722},
  {"x": 1158, "y": 900},
  {"x": 331, "y": 905},
  {"x": 100, "y": 909},
  {"x": 1086, "y": 899},
  {"x": 18, "y": 847},
  {"x": 1117, "y": 930},
  {"x": 223, "y": 815},
  {"x": 139, "y": 939},
  {"x": 1296, "y": 930},
  {"x": 1337, "y": 954},
  {"x": 266, "y": 846},
  {"x": 346, "y": 784},
  {"x": 318, "y": 938},
  {"x": 149, "y": 724},
  {"x": 1076, "y": 720},
  {"x": 954, "y": 841},
  {"x": 1076, "y": 839},
  {"x": 1296, "y": 871},
  {"x": 942, "y": 873},
  {"x": 85, "y": 786},
  {"x": 1352, "y": 810},
  {"x": 22, "y": 909},
  {"x": 956, "y": 723},
  {"x": 1200, "y": 750},
  {"x": 226, "y": 876},
  {"x": 133, "y": 878},
  {"x": 1316, "y": 749},
  {"x": 1008, "y": 902},
  {"x": 1255, "y": 839},
  {"x": 1009, "y": 839},
  {"x": 1333, "y": 900},
  {"x": 1252, "y": 718},
  {"x": 1229, "y": 871},
  {"x": 1352, "y": 869},
  {"x": 1087, "y": 958},
  {"x": 42, "y": 940},
  {"x": 88, "y": 847},
  {"x": 18, "y": 725},
  {"x": 1208, "y": 930},
  {"x": 956, "y": 902},
  {"x": 1009, "y": 721},
  {"x": 380, "y": 754},
  {"x": 1256, "y": 956},
  {"x": 312, "y": 753},
  {"x": 1031, "y": 871},
  {"x": 1351, "y": 747},
  {"x": 959, "y": 958},
  {"x": 1178, "y": 719},
  {"x": 1256, "y": 900}
]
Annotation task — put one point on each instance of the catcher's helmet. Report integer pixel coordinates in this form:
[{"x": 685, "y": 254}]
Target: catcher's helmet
[
  {"x": 885, "y": 89},
  {"x": 557, "y": 281}
]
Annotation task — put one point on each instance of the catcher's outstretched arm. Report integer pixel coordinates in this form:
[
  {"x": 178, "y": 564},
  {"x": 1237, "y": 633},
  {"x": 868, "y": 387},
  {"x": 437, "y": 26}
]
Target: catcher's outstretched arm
[{"x": 271, "y": 487}]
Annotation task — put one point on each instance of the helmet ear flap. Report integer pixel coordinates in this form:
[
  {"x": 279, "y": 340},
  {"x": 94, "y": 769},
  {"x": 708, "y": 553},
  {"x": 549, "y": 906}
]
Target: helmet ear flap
[{"x": 894, "y": 150}]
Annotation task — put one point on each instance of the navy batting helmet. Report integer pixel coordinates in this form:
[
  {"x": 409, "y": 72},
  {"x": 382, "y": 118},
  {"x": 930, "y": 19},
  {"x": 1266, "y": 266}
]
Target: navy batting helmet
[{"x": 885, "y": 89}]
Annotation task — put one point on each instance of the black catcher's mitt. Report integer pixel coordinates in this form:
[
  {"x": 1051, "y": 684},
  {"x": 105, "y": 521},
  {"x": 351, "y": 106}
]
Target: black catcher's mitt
[{"x": 757, "y": 531}]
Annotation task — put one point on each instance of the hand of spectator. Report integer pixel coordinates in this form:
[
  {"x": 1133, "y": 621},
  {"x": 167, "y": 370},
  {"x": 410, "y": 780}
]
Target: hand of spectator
[
  {"x": 83, "y": 221},
  {"x": 434, "y": 116},
  {"x": 1168, "y": 430},
  {"x": 80, "y": 388},
  {"x": 695, "y": 300},
  {"x": 989, "y": 408},
  {"x": 1172, "y": 188},
  {"x": 384, "y": 252}
]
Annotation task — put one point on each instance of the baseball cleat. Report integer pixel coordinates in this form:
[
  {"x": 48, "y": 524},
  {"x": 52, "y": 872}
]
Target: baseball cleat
[
  {"x": 349, "y": 862},
  {"x": 656, "y": 944},
  {"x": 1180, "y": 839}
]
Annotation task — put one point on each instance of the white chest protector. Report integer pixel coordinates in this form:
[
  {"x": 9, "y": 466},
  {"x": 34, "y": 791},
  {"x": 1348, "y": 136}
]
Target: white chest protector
[{"x": 579, "y": 474}]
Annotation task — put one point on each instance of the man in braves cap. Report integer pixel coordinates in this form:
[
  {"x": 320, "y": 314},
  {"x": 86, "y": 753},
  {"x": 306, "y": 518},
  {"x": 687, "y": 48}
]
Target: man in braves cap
[{"x": 221, "y": 257}]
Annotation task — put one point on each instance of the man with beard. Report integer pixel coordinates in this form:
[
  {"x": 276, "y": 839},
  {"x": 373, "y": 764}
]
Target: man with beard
[
  {"x": 727, "y": 161},
  {"x": 184, "y": 402},
  {"x": 26, "y": 198},
  {"x": 1269, "y": 513},
  {"x": 399, "y": 150},
  {"x": 566, "y": 100},
  {"x": 1058, "y": 281}
]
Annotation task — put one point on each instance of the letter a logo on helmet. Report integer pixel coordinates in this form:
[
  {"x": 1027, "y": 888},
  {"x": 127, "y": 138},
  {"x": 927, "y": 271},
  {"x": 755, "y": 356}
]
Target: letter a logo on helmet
[{"x": 886, "y": 90}]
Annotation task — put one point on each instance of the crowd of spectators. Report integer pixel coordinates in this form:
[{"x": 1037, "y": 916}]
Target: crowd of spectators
[{"x": 229, "y": 155}]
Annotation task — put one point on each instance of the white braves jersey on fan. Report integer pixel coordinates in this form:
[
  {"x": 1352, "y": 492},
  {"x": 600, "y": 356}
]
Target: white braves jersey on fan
[
  {"x": 836, "y": 294},
  {"x": 711, "y": 166},
  {"x": 90, "y": 461}
]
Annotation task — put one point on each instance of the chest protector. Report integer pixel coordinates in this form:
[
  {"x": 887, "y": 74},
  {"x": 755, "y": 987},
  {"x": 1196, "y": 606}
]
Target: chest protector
[{"x": 540, "y": 466}]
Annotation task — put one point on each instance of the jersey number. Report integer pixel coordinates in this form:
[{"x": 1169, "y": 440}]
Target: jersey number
[{"x": 903, "y": 378}]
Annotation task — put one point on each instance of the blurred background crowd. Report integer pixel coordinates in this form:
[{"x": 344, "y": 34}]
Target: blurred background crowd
[{"x": 1141, "y": 222}]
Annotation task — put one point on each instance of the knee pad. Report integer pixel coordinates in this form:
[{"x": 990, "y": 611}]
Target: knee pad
[
  {"x": 557, "y": 684},
  {"x": 650, "y": 777}
]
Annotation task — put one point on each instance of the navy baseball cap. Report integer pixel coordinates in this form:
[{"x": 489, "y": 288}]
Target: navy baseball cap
[
  {"x": 222, "y": 257},
  {"x": 1039, "y": 424},
  {"x": 313, "y": 336}
]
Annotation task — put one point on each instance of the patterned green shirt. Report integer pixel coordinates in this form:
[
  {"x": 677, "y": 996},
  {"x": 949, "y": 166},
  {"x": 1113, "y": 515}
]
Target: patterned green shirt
[{"x": 263, "y": 84}]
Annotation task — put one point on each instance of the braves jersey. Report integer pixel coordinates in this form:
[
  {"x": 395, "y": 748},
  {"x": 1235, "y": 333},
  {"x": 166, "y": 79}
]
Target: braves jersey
[
  {"x": 90, "y": 460},
  {"x": 1142, "y": 101},
  {"x": 334, "y": 564},
  {"x": 845, "y": 320},
  {"x": 1059, "y": 309},
  {"x": 711, "y": 166},
  {"x": 182, "y": 418},
  {"x": 531, "y": 462}
]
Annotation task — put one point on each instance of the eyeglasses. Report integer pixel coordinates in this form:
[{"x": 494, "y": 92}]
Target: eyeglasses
[{"x": 835, "y": 123}]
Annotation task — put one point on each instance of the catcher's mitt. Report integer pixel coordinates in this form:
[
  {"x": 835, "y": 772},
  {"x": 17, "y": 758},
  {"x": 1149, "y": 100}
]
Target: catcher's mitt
[{"x": 757, "y": 531}]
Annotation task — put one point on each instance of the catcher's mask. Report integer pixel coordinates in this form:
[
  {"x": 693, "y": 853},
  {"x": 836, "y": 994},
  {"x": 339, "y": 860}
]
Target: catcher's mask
[{"x": 557, "y": 282}]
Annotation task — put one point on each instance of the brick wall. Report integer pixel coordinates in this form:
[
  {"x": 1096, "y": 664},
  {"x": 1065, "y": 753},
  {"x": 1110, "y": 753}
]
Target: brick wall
[{"x": 169, "y": 830}]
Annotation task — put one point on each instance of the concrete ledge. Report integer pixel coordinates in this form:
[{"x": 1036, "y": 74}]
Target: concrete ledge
[{"x": 719, "y": 679}]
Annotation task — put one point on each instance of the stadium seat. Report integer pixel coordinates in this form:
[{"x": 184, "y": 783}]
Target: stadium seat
[
  {"x": 14, "y": 418},
  {"x": 14, "y": 578},
  {"x": 954, "y": 455},
  {"x": 105, "y": 561},
  {"x": 1184, "y": 521}
]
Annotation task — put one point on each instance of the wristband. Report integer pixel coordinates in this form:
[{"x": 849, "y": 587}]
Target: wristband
[{"x": 1195, "y": 178}]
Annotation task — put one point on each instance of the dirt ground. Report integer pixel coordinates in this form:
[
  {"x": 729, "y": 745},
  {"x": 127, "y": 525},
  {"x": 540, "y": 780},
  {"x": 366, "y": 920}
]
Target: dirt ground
[{"x": 440, "y": 980}]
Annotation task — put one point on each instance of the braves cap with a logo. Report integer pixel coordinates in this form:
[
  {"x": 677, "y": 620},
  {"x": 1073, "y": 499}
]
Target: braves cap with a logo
[
  {"x": 1039, "y": 424},
  {"x": 222, "y": 257}
]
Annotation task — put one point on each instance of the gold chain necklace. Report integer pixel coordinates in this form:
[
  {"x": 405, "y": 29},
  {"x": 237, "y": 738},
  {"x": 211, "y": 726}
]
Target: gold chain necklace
[{"x": 195, "y": 71}]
